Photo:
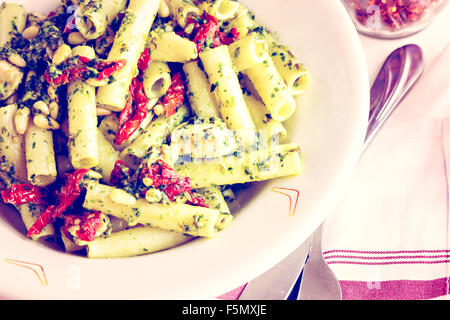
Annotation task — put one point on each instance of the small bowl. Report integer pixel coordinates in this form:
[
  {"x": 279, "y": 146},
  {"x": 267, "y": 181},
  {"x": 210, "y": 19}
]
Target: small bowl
[{"x": 392, "y": 19}]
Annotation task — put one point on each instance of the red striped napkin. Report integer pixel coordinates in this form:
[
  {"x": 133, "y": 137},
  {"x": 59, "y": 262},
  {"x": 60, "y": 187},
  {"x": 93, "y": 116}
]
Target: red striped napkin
[{"x": 389, "y": 236}]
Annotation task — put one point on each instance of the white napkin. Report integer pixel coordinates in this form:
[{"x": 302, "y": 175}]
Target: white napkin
[{"x": 389, "y": 236}]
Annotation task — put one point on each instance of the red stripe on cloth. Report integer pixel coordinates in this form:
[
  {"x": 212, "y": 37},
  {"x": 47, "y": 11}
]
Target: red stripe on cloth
[
  {"x": 384, "y": 252},
  {"x": 342, "y": 256},
  {"x": 389, "y": 262},
  {"x": 394, "y": 290},
  {"x": 233, "y": 294}
]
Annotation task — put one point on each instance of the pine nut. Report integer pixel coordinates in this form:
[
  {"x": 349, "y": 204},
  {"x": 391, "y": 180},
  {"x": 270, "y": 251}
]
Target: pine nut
[
  {"x": 21, "y": 119},
  {"x": 163, "y": 10},
  {"x": 158, "y": 110},
  {"x": 103, "y": 112},
  {"x": 147, "y": 181},
  {"x": 30, "y": 32},
  {"x": 120, "y": 196},
  {"x": 61, "y": 54},
  {"x": 153, "y": 195},
  {"x": 51, "y": 91},
  {"x": 45, "y": 122},
  {"x": 17, "y": 60},
  {"x": 76, "y": 38},
  {"x": 42, "y": 107},
  {"x": 49, "y": 52},
  {"x": 54, "y": 109}
]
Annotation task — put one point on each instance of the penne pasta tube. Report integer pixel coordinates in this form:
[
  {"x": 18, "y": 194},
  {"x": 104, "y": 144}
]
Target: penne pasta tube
[
  {"x": 201, "y": 99},
  {"x": 41, "y": 163},
  {"x": 266, "y": 127},
  {"x": 214, "y": 199},
  {"x": 242, "y": 167},
  {"x": 170, "y": 47},
  {"x": 107, "y": 157},
  {"x": 243, "y": 22},
  {"x": 155, "y": 135},
  {"x": 109, "y": 126},
  {"x": 12, "y": 148},
  {"x": 69, "y": 245},
  {"x": 129, "y": 43},
  {"x": 135, "y": 241},
  {"x": 272, "y": 89},
  {"x": 225, "y": 85},
  {"x": 296, "y": 76},
  {"x": 92, "y": 17},
  {"x": 181, "y": 10},
  {"x": 248, "y": 51},
  {"x": 82, "y": 116},
  {"x": 178, "y": 217},
  {"x": 221, "y": 9},
  {"x": 13, "y": 18},
  {"x": 157, "y": 80},
  {"x": 29, "y": 214}
]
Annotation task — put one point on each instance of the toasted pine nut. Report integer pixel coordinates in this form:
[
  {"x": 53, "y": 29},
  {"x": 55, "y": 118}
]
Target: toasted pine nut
[
  {"x": 76, "y": 38},
  {"x": 49, "y": 52},
  {"x": 163, "y": 10},
  {"x": 103, "y": 112},
  {"x": 30, "y": 32},
  {"x": 51, "y": 91},
  {"x": 21, "y": 119},
  {"x": 153, "y": 195},
  {"x": 158, "y": 110},
  {"x": 120, "y": 196},
  {"x": 42, "y": 107},
  {"x": 17, "y": 60},
  {"x": 147, "y": 181},
  {"x": 54, "y": 109},
  {"x": 61, "y": 54},
  {"x": 45, "y": 122}
]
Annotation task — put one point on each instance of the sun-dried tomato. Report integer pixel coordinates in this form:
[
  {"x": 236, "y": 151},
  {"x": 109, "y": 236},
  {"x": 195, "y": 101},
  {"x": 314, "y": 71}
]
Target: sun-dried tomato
[
  {"x": 120, "y": 173},
  {"x": 174, "y": 97},
  {"x": 78, "y": 68},
  {"x": 66, "y": 196},
  {"x": 170, "y": 182},
  {"x": 24, "y": 193},
  {"x": 136, "y": 107},
  {"x": 88, "y": 223},
  {"x": 206, "y": 32}
]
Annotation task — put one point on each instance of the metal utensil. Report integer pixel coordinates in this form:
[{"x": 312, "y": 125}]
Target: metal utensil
[
  {"x": 270, "y": 286},
  {"x": 398, "y": 74}
]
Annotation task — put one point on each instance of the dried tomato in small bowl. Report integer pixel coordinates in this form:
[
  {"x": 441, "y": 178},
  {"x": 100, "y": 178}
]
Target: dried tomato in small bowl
[{"x": 392, "y": 19}]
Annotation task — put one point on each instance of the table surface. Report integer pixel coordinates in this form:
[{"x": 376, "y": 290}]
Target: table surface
[{"x": 432, "y": 40}]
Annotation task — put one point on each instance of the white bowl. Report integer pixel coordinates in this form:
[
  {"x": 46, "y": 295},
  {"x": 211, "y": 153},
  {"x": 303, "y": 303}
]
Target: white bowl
[{"x": 329, "y": 124}]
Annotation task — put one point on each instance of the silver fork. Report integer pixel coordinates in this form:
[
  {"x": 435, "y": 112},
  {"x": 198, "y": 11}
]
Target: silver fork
[{"x": 398, "y": 74}]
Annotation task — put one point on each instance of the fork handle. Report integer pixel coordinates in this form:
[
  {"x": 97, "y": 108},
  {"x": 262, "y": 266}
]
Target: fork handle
[{"x": 318, "y": 282}]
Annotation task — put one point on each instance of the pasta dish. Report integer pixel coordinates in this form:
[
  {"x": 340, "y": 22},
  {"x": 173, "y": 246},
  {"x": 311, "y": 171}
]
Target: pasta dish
[{"x": 127, "y": 125}]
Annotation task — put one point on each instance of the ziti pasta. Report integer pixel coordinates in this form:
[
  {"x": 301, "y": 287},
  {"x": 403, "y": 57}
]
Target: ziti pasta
[{"x": 125, "y": 127}]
